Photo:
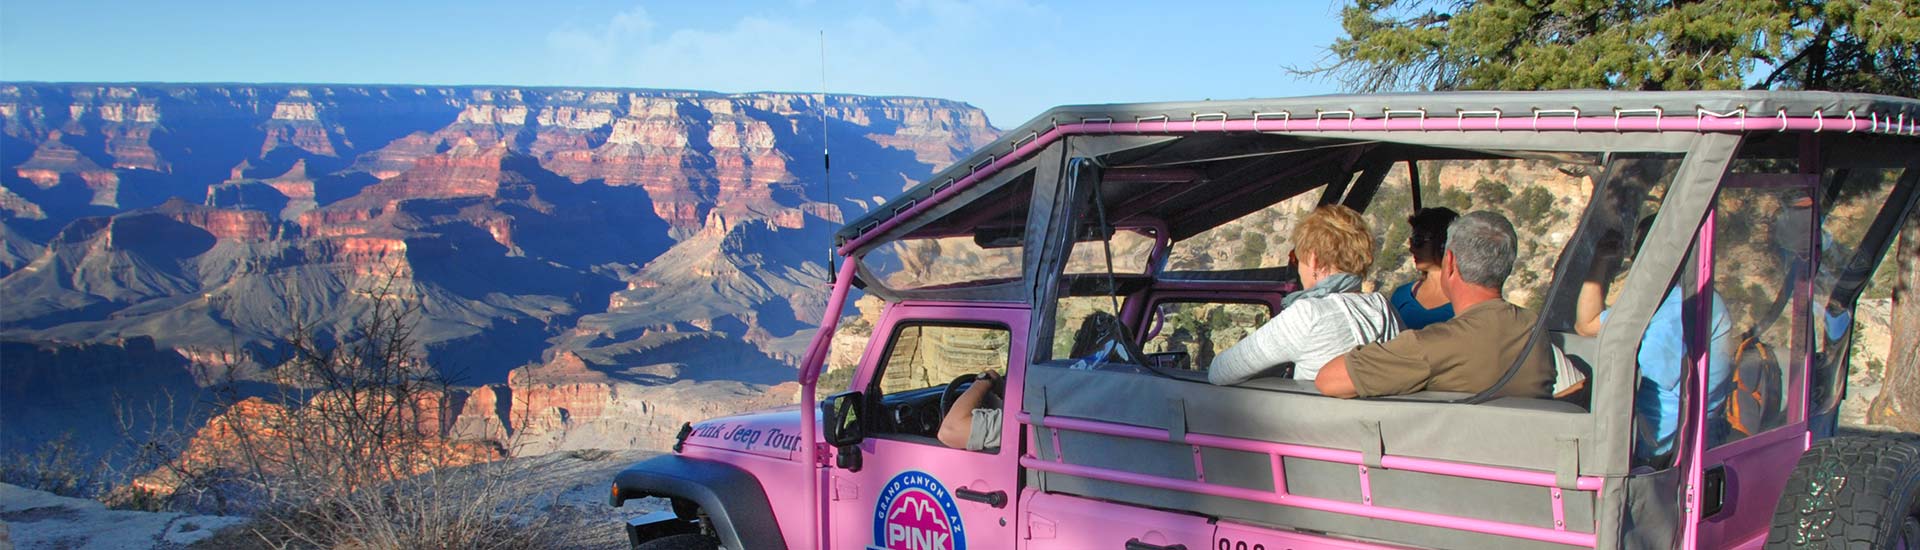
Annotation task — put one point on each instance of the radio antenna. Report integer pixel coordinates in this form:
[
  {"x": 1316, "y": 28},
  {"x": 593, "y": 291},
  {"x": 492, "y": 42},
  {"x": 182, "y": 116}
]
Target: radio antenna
[{"x": 826, "y": 156}]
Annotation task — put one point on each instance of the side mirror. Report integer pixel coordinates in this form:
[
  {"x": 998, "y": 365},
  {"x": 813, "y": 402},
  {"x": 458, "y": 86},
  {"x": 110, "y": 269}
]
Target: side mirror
[
  {"x": 841, "y": 415},
  {"x": 1170, "y": 360}
]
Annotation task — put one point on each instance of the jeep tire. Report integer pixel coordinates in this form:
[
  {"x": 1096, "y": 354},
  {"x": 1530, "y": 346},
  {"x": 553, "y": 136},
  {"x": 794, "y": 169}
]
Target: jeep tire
[
  {"x": 690, "y": 541},
  {"x": 1851, "y": 492}
]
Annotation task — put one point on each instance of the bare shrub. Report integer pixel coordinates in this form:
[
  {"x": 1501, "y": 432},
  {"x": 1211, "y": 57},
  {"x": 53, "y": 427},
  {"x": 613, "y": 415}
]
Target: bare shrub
[
  {"x": 350, "y": 448},
  {"x": 151, "y": 477},
  {"x": 485, "y": 506},
  {"x": 57, "y": 467}
]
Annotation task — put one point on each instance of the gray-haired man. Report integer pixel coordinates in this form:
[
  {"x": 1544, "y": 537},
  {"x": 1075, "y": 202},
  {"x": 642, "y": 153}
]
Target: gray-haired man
[{"x": 1468, "y": 353}]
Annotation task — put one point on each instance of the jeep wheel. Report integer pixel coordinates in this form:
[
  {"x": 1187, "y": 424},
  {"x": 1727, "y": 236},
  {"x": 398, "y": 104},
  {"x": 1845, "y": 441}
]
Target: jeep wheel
[
  {"x": 1851, "y": 492},
  {"x": 690, "y": 541}
]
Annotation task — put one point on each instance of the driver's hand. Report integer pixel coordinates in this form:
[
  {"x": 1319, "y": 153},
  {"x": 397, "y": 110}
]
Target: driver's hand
[{"x": 990, "y": 377}]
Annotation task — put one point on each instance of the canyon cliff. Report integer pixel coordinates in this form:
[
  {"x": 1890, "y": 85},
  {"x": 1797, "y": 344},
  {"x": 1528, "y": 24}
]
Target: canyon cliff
[{"x": 594, "y": 265}]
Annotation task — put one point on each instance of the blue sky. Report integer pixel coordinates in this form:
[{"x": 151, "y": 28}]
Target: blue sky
[{"x": 1013, "y": 58}]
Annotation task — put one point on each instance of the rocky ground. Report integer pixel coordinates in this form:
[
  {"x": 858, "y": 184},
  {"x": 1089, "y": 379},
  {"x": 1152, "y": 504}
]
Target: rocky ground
[
  {"x": 1869, "y": 354},
  {"x": 577, "y": 483},
  {"x": 36, "y": 520},
  {"x": 570, "y": 489}
]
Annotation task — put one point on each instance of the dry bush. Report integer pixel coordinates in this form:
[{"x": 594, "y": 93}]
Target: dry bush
[
  {"x": 57, "y": 467},
  {"x": 349, "y": 448},
  {"x": 485, "y": 506},
  {"x": 152, "y": 478}
]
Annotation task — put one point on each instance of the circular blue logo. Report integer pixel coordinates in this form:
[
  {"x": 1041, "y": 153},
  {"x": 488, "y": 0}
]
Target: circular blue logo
[{"x": 915, "y": 512}]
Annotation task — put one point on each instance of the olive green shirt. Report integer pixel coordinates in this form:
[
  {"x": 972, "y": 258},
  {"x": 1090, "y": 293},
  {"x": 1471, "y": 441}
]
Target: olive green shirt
[{"x": 1467, "y": 353}]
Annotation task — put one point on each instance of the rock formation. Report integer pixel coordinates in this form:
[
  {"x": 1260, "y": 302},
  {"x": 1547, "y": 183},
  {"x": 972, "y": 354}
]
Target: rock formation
[{"x": 634, "y": 258}]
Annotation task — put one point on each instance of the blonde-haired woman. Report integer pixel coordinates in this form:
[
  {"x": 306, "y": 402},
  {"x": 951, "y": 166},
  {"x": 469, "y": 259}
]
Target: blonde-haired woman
[{"x": 1333, "y": 247}]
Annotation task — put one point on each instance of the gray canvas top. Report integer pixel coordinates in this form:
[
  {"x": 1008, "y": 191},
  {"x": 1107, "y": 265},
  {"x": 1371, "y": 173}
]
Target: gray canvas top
[{"x": 1448, "y": 104}]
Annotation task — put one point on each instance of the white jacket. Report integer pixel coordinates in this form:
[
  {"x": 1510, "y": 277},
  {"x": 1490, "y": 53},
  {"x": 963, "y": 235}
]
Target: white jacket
[{"x": 1308, "y": 334}]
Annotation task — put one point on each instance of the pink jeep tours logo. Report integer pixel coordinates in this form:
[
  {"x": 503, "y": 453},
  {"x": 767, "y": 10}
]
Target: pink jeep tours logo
[{"x": 915, "y": 512}]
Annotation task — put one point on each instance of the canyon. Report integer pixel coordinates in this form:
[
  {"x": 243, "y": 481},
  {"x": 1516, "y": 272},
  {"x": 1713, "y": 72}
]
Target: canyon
[{"x": 593, "y": 267}]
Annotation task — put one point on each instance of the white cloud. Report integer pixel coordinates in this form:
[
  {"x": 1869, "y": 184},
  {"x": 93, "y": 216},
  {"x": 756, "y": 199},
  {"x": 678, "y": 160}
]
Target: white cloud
[{"x": 598, "y": 48}]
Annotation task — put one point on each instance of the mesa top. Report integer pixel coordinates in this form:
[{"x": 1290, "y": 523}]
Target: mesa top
[{"x": 1465, "y": 354}]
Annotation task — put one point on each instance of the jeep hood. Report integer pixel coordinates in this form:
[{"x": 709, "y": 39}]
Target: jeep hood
[{"x": 773, "y": 434}]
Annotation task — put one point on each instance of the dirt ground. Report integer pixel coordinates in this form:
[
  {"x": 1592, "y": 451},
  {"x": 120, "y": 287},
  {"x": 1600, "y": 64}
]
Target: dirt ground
[
  {"x": 571, "y": 485},
  {"x": 578, "y": 481},
  {"x": 35, "y": 520},
  {"x": 1869, "y": 354}
]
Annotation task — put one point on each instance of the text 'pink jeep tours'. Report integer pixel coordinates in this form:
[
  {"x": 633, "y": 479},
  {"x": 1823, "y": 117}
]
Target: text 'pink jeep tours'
[{"x": 1097, "y": 258}]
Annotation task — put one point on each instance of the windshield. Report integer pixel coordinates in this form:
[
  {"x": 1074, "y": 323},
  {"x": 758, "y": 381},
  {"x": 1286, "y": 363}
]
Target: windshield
[
  {"x": 1132, "y": 253},
  {"x": 981, "y": 243}
]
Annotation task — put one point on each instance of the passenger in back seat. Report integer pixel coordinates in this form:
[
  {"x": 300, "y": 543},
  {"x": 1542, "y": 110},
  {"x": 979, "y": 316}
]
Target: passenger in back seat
[
  {"x": 1334, "y": 247},
  {"x": 1472, "y": 351},
  {"x": 1663, "y": 351},
  {"x": 1423, "y": 301}
]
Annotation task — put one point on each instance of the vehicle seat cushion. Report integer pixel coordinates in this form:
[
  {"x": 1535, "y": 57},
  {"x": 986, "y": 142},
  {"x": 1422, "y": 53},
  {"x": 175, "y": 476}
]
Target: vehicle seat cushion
[{"x": 1290, "y": 411}]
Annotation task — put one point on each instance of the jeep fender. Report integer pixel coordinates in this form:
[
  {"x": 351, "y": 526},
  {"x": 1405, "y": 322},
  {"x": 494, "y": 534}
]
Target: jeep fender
[{"x": 732, "y": 498}]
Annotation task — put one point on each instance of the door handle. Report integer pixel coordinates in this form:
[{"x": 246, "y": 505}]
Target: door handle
[
  {"x": 996, "y": 499},
  {"x": 1713, "y": 491},
  {"x": 1137, "y": 544}
]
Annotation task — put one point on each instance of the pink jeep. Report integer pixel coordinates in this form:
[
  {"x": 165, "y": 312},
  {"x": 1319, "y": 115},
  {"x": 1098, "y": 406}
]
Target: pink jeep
[{"x": 1098, "y": 257}]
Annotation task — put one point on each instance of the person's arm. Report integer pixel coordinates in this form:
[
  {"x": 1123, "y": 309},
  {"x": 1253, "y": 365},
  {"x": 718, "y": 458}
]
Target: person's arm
[
  {"x": 1593, "y": 290},
  {"x": 1334, "y": 381},
  {"x": 1391, "y": 367},
  {"x": 959, "y": 420},
  {"x": 1269, "y": 346},
  {"x": 1586, "y": 311}
]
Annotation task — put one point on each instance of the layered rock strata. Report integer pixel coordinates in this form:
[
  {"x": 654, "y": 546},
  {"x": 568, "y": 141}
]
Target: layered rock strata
[{"x": 616, "y": 261}]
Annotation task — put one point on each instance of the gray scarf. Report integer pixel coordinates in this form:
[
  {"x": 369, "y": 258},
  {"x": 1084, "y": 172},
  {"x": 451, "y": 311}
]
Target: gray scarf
[{"x": 1329, "y": 285}]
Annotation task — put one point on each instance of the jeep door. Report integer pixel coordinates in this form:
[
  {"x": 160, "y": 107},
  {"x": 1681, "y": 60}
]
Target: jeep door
[{"x": 910, "y": 492}]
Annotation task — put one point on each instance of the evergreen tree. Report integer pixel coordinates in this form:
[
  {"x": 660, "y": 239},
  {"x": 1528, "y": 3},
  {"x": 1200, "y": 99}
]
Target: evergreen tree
[
  {"x": 1843, "y": 45},
  {"x": 1836, "y": 45}
]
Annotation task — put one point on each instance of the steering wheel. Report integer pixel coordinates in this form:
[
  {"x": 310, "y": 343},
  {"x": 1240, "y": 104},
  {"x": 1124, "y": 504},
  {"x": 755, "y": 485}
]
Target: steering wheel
[{"x": 953, "y": 390}]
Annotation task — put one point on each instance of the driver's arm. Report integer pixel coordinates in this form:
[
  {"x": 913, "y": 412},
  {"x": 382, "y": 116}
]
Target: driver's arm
[{"x": 959, "y": 420}]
